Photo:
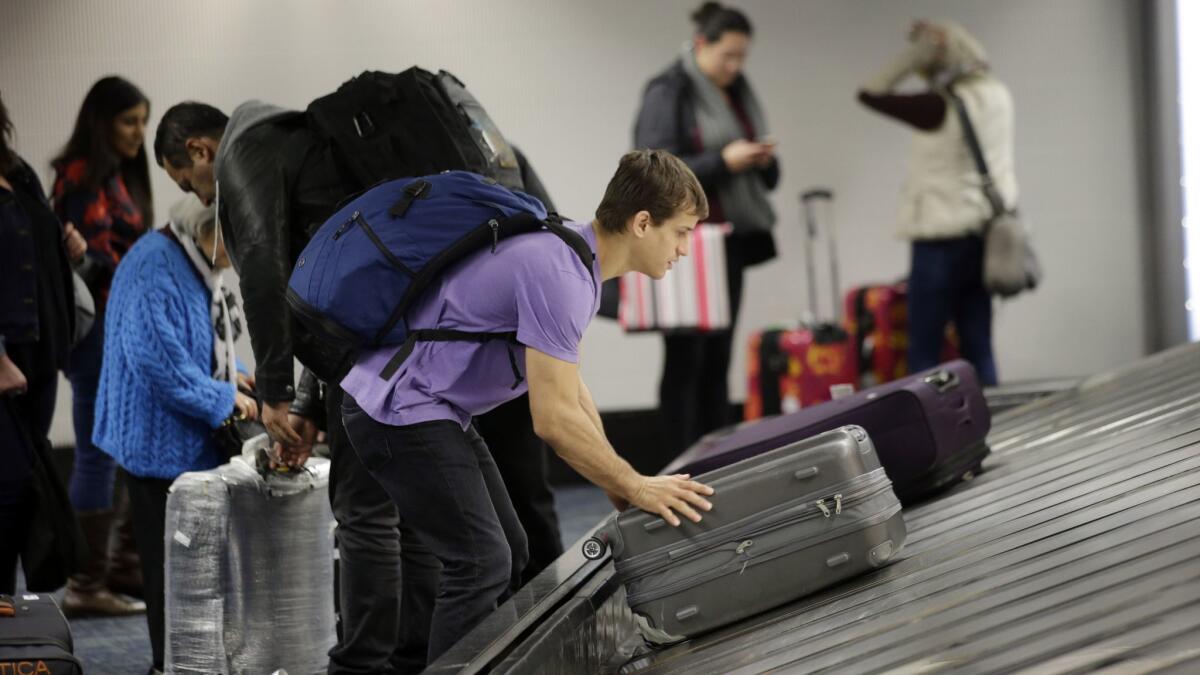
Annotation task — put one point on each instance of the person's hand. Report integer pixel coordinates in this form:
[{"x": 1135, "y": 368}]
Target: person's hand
[
  {"x": 766, "y": 154},
  {"x": 928, "y": 45},
  {"x": 75, "y": 243},
  {"x": 742, "y": 155},
  {"x": 12, "y": 380},
  {"x": 245, "y": 407},
  {"x": 245, "y": 382},
  {"x": 297, "y": 454},
  {"x": 275, "y": 419},
  {"x": 664, "y": 495}
]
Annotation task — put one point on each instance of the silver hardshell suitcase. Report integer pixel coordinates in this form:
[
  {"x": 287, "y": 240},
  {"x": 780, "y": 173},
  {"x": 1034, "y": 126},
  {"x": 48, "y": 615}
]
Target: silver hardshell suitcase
[
  {"x": 249, "y": 570},
  {"x": 783, "y": 525}
]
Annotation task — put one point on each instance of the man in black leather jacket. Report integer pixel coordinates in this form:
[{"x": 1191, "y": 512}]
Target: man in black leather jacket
[{"x": 275, "y": 183}]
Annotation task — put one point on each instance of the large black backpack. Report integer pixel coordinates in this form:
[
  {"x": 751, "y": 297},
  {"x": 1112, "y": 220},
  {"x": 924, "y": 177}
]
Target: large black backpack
[{"x": 384, "y": 126}]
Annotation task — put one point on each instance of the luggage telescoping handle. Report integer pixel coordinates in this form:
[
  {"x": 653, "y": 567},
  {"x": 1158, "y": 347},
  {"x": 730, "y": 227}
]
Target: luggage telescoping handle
[{"x": 808, "y": 200}]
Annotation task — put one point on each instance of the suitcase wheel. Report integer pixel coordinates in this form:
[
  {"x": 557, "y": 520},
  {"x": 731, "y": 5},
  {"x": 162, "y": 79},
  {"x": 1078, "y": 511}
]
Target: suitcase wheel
[
  {"x": 594, "y": 548},
  {"x": 972, "y": 473}
]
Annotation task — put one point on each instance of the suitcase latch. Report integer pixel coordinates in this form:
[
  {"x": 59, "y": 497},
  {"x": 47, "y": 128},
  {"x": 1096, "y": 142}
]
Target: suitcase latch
[
  {"x": 741, "y": 550},
  {"x": 837, "y": 506},
  {"x": 942, "y": 379}
]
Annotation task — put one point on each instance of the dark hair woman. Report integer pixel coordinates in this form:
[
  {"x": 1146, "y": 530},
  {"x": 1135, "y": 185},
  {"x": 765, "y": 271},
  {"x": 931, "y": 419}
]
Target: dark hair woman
[
  {"x": 102, "y": 187},
  {"x": 702, "y": 109},
  {"x": 37, "y": 303}
]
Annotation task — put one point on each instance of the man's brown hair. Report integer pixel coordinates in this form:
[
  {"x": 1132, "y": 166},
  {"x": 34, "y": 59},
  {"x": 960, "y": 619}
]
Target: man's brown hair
[{"x": 650, "y": 180}]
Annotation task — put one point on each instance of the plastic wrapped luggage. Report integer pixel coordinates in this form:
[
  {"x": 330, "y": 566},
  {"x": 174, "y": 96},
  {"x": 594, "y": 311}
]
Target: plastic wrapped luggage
[
  {"x": 930, "y": 430},
  {"x": 784, "y": 524},
  {"x": 249, "y": 571}
]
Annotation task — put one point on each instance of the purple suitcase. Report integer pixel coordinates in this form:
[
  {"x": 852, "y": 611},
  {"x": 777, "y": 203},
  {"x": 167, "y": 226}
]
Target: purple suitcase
[{"x": 929, "y": 429}]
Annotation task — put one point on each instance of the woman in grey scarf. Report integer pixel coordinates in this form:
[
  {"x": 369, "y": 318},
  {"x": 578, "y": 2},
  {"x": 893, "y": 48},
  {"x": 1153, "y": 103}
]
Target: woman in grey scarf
[{"x": 703, "y": 110}]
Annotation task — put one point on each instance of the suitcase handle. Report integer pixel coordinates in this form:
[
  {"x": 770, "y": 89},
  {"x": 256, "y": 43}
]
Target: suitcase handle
[
  {"x": 942, "y": 380},
  {"x": 807, "y": 200}
]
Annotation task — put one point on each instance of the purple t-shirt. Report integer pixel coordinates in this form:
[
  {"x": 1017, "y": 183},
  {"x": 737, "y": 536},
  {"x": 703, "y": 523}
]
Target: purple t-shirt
[{"x": 534, "y": 284}]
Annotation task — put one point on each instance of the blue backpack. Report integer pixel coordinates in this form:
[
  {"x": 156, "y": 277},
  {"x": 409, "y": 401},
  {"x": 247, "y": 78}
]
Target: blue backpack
[{"x": 365, "y": 267}]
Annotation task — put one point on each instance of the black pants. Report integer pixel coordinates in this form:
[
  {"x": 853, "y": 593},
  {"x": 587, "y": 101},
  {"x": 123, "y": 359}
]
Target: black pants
[
  {"x": 24, "y": 421},
  {"x": 451, "y": 498},
  {"x": 148, "y": 503},
  {"x": 521, "y": 458},
  {"x": 693, "y": 394},
  {"x": 369, "y": 590},
  {"x": 385, "y": 616}
]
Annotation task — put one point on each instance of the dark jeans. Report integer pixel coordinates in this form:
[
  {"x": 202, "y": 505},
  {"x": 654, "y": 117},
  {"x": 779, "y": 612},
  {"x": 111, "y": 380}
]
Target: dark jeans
[
  {"x": 693, "y": 394},
  {"x": 946, "y": 284},
  {"x": 451, "y": 498},
  {"x": 520, "y": 456},
  {"x": 92, "y": 477},
  {"x": 385, "y": 615},
  {"x": 24, "y": 420},
  {"x": 148, "y": 503},
  {"x": 369, "y": 564}
]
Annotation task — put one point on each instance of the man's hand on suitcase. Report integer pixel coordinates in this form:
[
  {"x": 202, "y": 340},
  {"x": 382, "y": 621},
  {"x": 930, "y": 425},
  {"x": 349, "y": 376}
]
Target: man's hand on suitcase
[
  {"x": 292, "y": 434},
  {"x": 664, "y": 495},
  {"x": 275, "y": 419},
  {"x": 295, "y": 455}
]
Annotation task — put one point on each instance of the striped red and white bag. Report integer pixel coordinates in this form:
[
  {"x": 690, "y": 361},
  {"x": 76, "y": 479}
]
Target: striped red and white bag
[{"x": 692, "y": 297}]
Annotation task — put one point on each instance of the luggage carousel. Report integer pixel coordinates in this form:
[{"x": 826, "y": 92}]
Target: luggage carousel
[{"x": 1076, "y": 550}]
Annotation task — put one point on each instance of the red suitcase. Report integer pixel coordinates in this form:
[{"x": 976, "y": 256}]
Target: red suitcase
[
  {"x": 790, "y": 369},
  {"x": 793, "y": 369},
  {"x": 877, "y": 319}
]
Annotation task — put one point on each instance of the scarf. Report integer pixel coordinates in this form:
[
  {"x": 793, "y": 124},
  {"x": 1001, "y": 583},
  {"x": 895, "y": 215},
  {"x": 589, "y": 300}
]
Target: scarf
[
  {"x": 223, "y": 309},
  {"x": 743, "y": 196}
]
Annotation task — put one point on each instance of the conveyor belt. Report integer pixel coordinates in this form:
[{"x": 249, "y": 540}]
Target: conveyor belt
[{"x": 1075, "y": 550}]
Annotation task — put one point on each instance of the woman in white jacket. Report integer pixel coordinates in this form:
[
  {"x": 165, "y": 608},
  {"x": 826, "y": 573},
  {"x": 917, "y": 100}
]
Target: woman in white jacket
[{"x": 942, "y": 208}]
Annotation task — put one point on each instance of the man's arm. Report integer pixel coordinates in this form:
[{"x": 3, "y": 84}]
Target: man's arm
[
  {"x": 573, "y": 429},
  {"x": 589, "y": 406},
  {"x": 254, "y": 201}
]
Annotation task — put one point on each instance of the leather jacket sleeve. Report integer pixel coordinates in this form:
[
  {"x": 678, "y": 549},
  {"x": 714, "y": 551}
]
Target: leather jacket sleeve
[
  {"x": 310, "y": 399},
  {"x": 253, "y": 190}
]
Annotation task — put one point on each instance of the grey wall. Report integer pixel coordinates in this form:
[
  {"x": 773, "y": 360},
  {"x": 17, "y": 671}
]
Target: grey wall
[{"x": 563, "y": 79}]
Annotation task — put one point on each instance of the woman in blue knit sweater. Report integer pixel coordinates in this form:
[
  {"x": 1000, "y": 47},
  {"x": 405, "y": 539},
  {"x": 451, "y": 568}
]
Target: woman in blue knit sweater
[{"x": 169, "y": 375}]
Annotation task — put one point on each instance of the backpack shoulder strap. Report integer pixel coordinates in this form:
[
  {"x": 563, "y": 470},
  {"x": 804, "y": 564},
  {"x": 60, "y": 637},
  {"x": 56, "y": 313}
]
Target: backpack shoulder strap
[{"x": 554, "y": 223}]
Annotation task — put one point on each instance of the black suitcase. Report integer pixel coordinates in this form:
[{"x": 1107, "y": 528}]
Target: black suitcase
[{"x": 35, "y": 637}]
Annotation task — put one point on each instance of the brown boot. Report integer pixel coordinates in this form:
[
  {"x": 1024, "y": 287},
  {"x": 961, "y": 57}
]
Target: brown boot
[
  {"x": 124, "y": 563},
  {"x": 86, "y": 593}
]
